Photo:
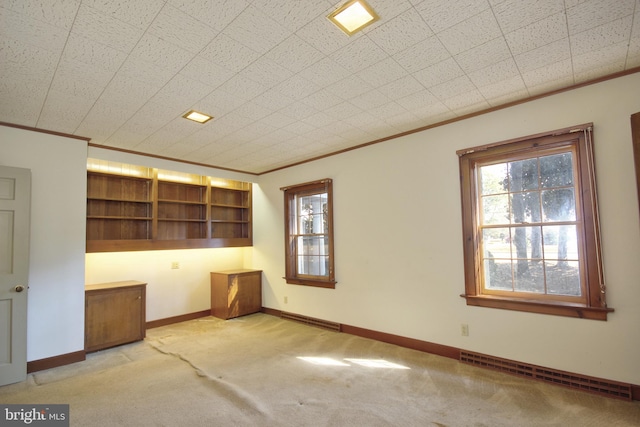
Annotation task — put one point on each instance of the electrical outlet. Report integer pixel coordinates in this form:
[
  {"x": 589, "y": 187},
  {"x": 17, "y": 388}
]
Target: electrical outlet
[
  {"x": 286, "y": 300},
  {"x": 464, "y": 330},
  {"x": 175, "y": 265}
]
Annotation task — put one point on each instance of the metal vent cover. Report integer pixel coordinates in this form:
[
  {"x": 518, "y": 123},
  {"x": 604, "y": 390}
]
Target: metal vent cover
[{"x": 332, "y": 326}]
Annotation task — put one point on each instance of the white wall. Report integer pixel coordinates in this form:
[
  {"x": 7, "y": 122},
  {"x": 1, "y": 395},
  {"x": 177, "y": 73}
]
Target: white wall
[
  {"x": 170, "y": 292},
  {"x": 398, "y": 238},
  {"x": 55, "y": 323}
]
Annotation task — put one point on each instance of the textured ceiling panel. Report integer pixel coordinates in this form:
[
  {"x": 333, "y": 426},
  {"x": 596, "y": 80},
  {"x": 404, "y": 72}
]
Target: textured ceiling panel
[{"x": 284, "y": 84}]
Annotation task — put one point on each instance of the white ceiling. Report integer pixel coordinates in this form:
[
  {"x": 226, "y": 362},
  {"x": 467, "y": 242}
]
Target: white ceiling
[{"x": 283, "y": 83}]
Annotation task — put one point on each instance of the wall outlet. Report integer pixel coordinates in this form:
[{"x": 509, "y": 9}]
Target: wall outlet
[
  {"x": 175, "y": 265},
  {"x": 286, "y": 300},
  {"x": 464, "y": 330}
]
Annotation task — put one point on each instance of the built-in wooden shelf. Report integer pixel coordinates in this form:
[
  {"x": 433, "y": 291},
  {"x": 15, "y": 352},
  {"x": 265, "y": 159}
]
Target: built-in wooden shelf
[{"x": 148, "y": 210}]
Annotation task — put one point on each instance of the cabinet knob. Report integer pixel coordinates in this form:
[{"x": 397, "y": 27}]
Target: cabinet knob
[{"x": 19, "y": 288}]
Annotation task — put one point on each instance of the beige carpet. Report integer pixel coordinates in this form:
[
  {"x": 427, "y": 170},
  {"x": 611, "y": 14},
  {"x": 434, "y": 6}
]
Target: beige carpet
[{"x": 249, "y": 372}]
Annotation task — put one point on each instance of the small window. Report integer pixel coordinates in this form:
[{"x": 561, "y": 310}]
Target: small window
[
  {"x": 309, "y": 234},
  {"x": 530, "y": 224}
]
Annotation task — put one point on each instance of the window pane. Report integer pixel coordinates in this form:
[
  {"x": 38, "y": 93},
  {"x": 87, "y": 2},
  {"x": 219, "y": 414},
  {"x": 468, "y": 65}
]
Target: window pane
[
  {"x": 525, "y": 207},
  {"x": 523, "y": 175},
  {"x": 495, "y": 209},
  {"x": 497, "y": 274},
  {"x": 528, "y": 276},
  {"x": 560, "y": 242},
  {"x": 556, "y": 170},
  {"x": 559, "y": 205},
  {"x": 526, "y": 242},
  {"x": 313, "y": 255},
  {"x": 493, "y": 179},
  {"x": 495, "y": 243},
  {"x": 563, "y": 278}
]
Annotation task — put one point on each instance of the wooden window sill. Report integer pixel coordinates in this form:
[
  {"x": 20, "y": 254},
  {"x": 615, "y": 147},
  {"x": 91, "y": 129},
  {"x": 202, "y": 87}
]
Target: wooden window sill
[
  {"x": 310, "y": 282},
  {"x": 557, "y": 309}
]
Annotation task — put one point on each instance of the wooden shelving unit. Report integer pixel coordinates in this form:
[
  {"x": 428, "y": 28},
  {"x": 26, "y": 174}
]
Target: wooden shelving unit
[{"x": 135, "y": 208}]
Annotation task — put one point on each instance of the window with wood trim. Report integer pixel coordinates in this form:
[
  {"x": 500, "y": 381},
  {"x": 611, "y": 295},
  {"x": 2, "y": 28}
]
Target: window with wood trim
[
  {"x": 309, "y": 234},
  {"x": 530, "y": 225}
]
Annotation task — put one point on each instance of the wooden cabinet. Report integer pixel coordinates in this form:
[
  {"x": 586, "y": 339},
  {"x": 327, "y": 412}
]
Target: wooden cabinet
[
  {"x": 114, "y": 314},
  {"x": 236, "y": 293},
  {"x": 134, "y": 208}
]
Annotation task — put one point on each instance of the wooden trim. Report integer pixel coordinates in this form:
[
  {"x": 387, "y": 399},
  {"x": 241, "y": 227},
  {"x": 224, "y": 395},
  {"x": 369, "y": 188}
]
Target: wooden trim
[
  {"x": 56, "y": 361},
  {"x": 177, "y": 319},
  {"x": 635, "y": 138},
  {"x": 414, "y": 344},
  {"x": 50, "y": 132}
]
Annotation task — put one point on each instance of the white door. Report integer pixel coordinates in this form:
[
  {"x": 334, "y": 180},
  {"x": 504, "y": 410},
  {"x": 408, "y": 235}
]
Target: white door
[{"x": 15, "y": 198}]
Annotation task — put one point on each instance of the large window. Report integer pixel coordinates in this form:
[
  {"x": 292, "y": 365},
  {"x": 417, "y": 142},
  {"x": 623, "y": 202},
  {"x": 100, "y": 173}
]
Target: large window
[
  {"x": 309, "y": 234},
  {"x": 530, "y": 223}
]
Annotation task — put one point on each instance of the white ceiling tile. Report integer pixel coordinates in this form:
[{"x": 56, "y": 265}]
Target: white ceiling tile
[
  {"x": 389, "y": 109},
  {"x": 273, "y": 99},
  {"x": 401, "y": 32},
  {"x": 81, "y": 49},
  {"x": 597, "y": 62},
  {"x": 322, "y": 100},
  {"x": 359, "y": 54},
  {"x": 484, "y": 55},
  {"x": 501, "y": 71},
  {"x": 293, "y": 15},
  {"x": 318, "y": 119},
  {"x": 105, "y": 29},
  {"x": 161, "y": 53},
  {"x": 612, "y": 33},
  {"x": 297, "y": 87},
  {"x": 402, "y": 87},
  {"x": 206, "y": 72},
  {"x": 279, "y": 120},
  {"x": 252, "y": 111},
  {"x": 58, "y": 13},
  {"x": 299, "y": 128},
  {"x": 515, "y": 14},
  {"x": 548, "y": 75},
  {"x": 439, "y": 73},
  {"x": 229, "y": 53},
  {"x": 538, "y": 34},
  {"x": 350, "y": 87},
  {"x": 503, "y": 91},
  {"x": 182, "y": 30},
  {"x": 325, "y": 72},
  {"x": 373, "y": 98},
  {"x": 470, "y": 33},
  {"x": 218, "y": 103},
  {"x": 383, "y": 72},
  {"x": 466, "y": 103},
  {"x": 217, "y": 14},
  {"x": 80, "y": 79},
  {"x": 32, "y": 31},
  {"x": 242, "y": 87},
  {"x": 298, "y": 111},
  {"x": 452, "y": 88},
  {"x": 295, "y": 54},
  {"x": 593, "y": 13},
  {"x": 22, "y": 102},
  {"x": 136, "y": 13},
  {"x": 543, "y": 56},
  {"x": 343, "y": 111},
  {"x": 417, "y": 100},
  {"x": 422, "y": 55},
  {"x": 256, "y": 30},
  {"x": 441, "y": 15},
  {"x": 27, "y": 63},
  {"x": 181, "y": 93},
  {"x": 144, "y": 72},
  {"x": 324, "y": 36},
  {"x": 266, "y": 72}
]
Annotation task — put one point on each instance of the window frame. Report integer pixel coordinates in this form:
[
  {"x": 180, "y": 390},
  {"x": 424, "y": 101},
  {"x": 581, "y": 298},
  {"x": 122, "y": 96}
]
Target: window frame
[
  {"x": 291, "y": 195},
  {"x": 592, "y": 278}
]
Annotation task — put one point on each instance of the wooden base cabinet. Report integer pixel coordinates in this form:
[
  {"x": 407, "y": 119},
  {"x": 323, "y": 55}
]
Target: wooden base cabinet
[
  {"x": 114, "y": 314},
  {"x": 236, "y": 293}
]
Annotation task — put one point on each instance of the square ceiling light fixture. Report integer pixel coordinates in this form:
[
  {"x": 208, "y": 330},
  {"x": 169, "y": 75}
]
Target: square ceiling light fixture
[
  {"x": 353, "y": 16},
  {"x": 197, "y": 117}
]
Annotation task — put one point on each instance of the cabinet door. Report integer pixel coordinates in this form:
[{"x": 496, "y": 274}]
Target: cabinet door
[
  {"x": 245, "y": 294},
  {"x": 113, "y": 317}
]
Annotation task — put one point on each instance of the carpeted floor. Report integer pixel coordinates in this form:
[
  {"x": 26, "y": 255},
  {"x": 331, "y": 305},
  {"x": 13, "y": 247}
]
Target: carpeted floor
[{"x": 260, "y": 370}]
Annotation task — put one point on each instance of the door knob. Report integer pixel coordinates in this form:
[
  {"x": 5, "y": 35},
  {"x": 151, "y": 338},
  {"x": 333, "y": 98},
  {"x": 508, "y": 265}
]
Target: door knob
[{"x": 19, "y": 288}]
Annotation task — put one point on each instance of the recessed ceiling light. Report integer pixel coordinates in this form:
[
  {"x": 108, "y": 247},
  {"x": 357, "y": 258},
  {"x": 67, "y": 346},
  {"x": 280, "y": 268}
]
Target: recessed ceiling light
[
  {"x": 353, "y": 16},
  {"x": 197, "y": 117}
]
